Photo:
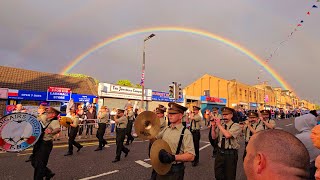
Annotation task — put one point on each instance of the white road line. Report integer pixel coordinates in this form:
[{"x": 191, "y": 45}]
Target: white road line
[
  {"x": 144, "y": 164},
  {"x": 205, "y": 142},
  {"x": 289, "y": 124},
  {"x": 146, "y": 160},
  {"x": 99, "y": 175},
  {"x": 278, "y": 128},
  {"x": 204, "y": 147},
  {"x": 24, "y": 154}
]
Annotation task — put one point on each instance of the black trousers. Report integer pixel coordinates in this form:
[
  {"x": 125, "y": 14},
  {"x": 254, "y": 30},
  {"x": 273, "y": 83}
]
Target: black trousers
[
  {"x": 176, "y": 173},
  {"x": 100, "y": 133},
  {"x": 40, "y": 160},
  {"x": 72, "y": 136},
  {"x": 196, "y": 143},
  {"x": 121, "y": 135},
  {"x": 89, "y": 129},
  {"x": 225, "y": 164},
  {"x": 128, "y": 133}
]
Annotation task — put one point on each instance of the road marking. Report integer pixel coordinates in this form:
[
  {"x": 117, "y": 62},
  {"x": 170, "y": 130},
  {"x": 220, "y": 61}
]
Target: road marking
[
  {"x": 99, "y": 175},
  {"x": 144, "y": 164},
  {"x": 289, "y": 124},
  {"x": 205, "y": 142},
  {"x": 24, "y": 154},
  {"x": 204, "y": 147},
  {"x": 278, "y": 128},
  {"x": 146, "y": 160}
]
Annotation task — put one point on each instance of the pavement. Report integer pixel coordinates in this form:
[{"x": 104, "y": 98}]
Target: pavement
[{"x": 89, "y": 164}]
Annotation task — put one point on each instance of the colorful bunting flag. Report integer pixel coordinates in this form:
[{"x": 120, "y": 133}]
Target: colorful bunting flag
[
  {"x": 308, "y": 13},
  {"x": 314, "y": 6}
]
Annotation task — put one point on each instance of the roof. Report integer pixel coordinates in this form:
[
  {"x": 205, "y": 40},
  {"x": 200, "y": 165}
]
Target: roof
[{"x": 22, "y": 79}]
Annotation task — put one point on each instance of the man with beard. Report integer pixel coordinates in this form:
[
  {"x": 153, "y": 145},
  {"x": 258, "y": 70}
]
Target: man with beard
[
  {"x": 42, "y": 153},
  {"x": 121, "y": 123},
  {"x": 227, "y": 134},
  {"x": 285, "y": 158}
]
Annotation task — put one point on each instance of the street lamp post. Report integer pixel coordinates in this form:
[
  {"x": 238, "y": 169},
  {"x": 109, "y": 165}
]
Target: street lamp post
[{"x": 143, "y": 67}]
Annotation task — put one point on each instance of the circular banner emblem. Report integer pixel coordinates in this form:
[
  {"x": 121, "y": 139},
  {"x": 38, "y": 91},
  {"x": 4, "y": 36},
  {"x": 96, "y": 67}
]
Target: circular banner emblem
[{"x": 19, "y": 131}]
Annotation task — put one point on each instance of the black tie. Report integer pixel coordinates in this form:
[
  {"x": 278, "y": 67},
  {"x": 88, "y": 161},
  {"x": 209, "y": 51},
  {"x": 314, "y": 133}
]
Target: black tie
[{"x": 223, "y": 142}]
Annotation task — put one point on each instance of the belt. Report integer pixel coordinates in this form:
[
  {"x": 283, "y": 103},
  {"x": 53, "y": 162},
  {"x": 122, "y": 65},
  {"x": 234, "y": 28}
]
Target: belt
[{"x": 228, "y": 151}]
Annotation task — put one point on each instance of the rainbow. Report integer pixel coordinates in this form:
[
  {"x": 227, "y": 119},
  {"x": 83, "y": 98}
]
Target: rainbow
[{"x": 199, "y": 32}]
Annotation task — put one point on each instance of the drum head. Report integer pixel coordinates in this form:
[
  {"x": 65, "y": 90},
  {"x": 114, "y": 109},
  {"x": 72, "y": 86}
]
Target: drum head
[{"x": 19, "y": 131}]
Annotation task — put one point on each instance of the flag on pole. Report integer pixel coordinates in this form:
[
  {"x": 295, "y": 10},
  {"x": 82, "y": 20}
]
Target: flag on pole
[{"x": 142, "y": 79}]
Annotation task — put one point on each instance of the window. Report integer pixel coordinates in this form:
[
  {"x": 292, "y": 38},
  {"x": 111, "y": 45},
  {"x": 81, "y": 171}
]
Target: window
[
  {"x": 245, "y": 93},
  {"x": 250, "y": 95},
  {"x": 240, "y": 92},
  {"x": 206, "y": 92},
  {"x": 255, "y": 95}
]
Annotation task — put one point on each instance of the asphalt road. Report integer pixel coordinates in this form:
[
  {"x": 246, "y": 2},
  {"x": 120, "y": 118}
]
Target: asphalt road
[{"x": 88, "y": 164}]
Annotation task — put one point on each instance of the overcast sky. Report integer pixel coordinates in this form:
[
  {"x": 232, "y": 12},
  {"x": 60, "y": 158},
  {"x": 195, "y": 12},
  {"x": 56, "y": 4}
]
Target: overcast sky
[{"x": 47, "y": 35}]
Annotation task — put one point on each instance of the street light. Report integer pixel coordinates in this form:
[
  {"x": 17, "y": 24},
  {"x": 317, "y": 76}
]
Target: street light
[{"x": 143, "y": 66}]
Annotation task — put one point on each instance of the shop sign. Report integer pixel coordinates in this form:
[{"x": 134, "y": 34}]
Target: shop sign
[
  {"x": 26, "y": 95},
  {"x": 3, "y": 93},
  {"x": 83, "y": 98},
  {"x": 253, "y": 104},
  {"x": 116, "y": 91},
  {"x": 163, "y": 96},
  {"x": 214, "y": 100},
  {"x": 58, "y": 94}
]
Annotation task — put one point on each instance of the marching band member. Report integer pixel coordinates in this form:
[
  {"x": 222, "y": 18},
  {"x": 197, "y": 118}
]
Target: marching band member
[
  {"x": 103, "y": 117},
  {"x": 74, "y": 128},
  {"x": 130, "y": 116},
  {"x": 180, "y": 141},
  {"x": 195, "y": 130},
  {"x": 121, "y": 123},
  {"x": 227, "y": 133},
  {"x": 265, "y": 118},
  {"x": 214, "y": 142},
  {"x": 252, "y": 126},
  {"x": 42, "y": 153},
  {"x": 42, "y": 117}
]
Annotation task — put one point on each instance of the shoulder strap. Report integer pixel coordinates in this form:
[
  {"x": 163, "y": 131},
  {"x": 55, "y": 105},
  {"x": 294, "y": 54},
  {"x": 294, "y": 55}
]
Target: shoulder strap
[
  {"x": 230, "y": 138},
  {"x": 180, "y": 140}
]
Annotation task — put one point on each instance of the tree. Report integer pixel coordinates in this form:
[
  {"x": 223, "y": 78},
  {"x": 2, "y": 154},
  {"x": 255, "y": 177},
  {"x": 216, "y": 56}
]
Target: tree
[
  {"x": 125, "y": 82},
  {"x": 83, "y": 76}
]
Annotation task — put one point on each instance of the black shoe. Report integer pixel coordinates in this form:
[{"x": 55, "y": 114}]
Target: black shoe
[
  {"x": 104, "y": 143},
  {"x": 68, "y": 154},
  {"x": 126, "y": 154},
  {"x": 131, "y": 141},
  {"x": 28, "y": 160},
  {"x": 115, "y": 160},
  {"x": 98, "y": 149},
  {"x": 195, "y": 163},
  {"x": 48, "y": 177},
  {"x": 79, "y": 148}
]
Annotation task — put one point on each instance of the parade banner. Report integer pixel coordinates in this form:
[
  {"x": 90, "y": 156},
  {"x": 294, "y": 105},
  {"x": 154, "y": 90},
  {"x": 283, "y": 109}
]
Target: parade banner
[
  {"x": 164, "y": 97},
  {"x": 111, "y": 90},
  {"x": 58, "y": 94}
]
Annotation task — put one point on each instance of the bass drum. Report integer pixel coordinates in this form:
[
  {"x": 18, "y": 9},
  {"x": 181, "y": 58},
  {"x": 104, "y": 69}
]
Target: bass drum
[{"x": 19, "y": 131}]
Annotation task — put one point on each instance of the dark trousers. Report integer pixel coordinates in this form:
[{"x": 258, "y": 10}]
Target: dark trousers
[
  {"x": 245, "y": 151},
  {"x": 196, "y": 143},
  {"x": 100, "y": 133},
  {"x": 89, "y": 129},
  {"x": 80, "y": 130},
  {"x": 225, "y": 164},
  {"x": 128, "y": 133},
  {"x": 72, "y": 136},
  {"x": 176, "y": 173},
  {"x": 312, "y": 170},
  {"x": 40, "y": 160},
  {"x": 121, "y": 135}
]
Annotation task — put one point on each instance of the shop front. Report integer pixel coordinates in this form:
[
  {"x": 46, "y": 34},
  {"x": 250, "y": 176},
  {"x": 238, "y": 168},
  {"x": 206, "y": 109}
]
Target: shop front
[
  {"x": 208, "y": 102},
  {"x": 253, "y": 106},
  {"x": 115, "y": 96}
]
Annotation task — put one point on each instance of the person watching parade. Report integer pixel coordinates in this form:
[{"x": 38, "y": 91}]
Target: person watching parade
[
  {"x": 285, "y": 158},
  {"x": 74, "y": 128},
  {"x": 265, "y": 119},
  {"x": 180, "y": 141},
  {"x": 227, "y": 133}
]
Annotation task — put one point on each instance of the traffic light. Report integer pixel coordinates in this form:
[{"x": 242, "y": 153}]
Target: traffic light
[
  {"x": 172, "y": 89},
  {"x": 179, "y": 91}
]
